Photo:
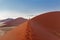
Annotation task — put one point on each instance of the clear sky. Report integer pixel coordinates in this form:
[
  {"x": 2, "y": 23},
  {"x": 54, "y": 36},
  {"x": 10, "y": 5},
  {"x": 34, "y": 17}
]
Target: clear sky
[{"x": 23, "y": 8}]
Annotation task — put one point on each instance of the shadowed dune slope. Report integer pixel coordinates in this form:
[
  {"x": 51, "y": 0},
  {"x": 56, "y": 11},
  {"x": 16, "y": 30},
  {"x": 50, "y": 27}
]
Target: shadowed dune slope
[
  {"x": 46, "y": 26},
  {"x": 42, "y": 27}
]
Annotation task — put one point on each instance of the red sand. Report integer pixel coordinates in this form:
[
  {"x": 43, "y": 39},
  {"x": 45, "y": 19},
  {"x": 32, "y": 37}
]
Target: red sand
[{"x": 42, "y": 27}]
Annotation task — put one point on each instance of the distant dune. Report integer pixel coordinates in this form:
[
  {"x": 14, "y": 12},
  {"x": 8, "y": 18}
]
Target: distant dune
[
  {"x": 13, "y": 22},
  {"x": 5, "y": 20},
  {"x": 41, "y": 27}
]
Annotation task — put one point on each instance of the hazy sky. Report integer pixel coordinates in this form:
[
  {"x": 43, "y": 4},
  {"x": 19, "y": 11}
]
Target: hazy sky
[{"x": 23, "y": 8}]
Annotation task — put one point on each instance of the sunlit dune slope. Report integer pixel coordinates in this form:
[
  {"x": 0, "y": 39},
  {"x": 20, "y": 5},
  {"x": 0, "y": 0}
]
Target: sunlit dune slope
[
  {"x": 17, "y": 34},
  {"x": 42, "y": 27}
]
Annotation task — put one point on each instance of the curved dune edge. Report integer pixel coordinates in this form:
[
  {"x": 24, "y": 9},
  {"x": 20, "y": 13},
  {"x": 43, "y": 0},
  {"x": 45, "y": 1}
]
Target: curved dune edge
[{"x": 42, "y": 27}]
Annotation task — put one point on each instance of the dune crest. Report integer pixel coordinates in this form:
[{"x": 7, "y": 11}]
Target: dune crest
[{"x": 42, "y": 27}]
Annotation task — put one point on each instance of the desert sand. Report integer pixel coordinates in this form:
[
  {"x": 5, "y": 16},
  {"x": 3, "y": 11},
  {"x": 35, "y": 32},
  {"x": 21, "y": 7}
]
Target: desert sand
[{"x": 41, "y": 27}]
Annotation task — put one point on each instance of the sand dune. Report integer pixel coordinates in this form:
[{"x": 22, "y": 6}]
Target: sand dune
[
  {"x": 14, "y": 22},
  {"x": 42, "y": 27}
]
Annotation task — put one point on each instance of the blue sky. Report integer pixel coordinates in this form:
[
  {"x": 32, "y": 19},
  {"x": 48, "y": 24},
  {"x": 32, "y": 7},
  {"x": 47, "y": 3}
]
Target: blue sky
[{"x": 24, "y": 8}]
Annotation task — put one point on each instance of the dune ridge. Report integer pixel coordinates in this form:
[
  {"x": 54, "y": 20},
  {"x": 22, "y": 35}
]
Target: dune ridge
[{"x": 41, "y": 27}]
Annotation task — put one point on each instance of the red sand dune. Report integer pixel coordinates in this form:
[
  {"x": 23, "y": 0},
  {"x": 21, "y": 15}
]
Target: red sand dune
[{"x": 42, "y": 27}]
